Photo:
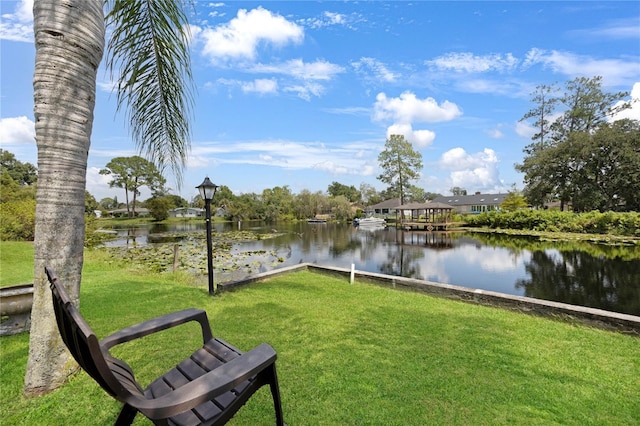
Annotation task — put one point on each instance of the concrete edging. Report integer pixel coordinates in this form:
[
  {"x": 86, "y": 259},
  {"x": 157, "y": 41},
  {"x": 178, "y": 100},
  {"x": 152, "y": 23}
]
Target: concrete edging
[{"x": 599, "y": 318}]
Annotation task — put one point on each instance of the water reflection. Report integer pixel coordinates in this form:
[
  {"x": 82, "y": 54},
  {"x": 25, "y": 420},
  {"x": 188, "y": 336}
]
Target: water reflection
[
  {"x": 578, "y": 273},
  {"x": 576, "y": 277}
]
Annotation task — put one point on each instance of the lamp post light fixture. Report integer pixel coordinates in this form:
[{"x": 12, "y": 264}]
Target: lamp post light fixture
[{"x": 207, "y": 191}]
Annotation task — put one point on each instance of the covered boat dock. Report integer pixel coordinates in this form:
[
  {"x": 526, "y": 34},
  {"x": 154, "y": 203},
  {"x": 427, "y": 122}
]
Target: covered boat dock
[{"x": 426, "y": 216}]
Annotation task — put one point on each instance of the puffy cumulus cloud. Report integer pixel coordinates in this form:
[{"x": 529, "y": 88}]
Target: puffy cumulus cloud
[
  {"x": 17, "y": 130},
  {"x": 239, "y": 38},
  {"x": 18, "y": 26},
  {"x": 632, "y": 113},
  {"x": 479, "y": 170},
  {"x": 420, "y": 138},
  {"x": 469, "y": 63},
  {"x": 409, "y": 109}
]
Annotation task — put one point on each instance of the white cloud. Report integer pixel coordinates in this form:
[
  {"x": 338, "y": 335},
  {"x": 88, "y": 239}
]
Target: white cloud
[
  {"x": 328, "y": 19},
  {"x": 618, "y": 29},
  {"x": 478, "y": 171},
  {"x": 17, "y": 130},
  {"x": 240, "y": 38},
  {"x": 524, "y": 129},
  {"x": 18, "y": 26},
  {"x": 615, "y": 72},
  {"x": 261, "y": 86},
  {"x": 305, "y": 91},
  {"x": 350, "y": 158},
  {"x": 98, "y": 185},
  {"x": 470, "y": 63},
  {"x": 379, "y": 69},
  {"x": 297, "y": 68},
  {"x": 420, "y": 138},
  {"x": 632, "y": 113},
  {"x": 495, "y": 133},
  {"x": 408, "y": 109}
]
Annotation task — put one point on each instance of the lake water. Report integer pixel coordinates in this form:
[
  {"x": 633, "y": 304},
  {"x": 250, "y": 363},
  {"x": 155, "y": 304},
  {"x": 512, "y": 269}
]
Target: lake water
[{"x": 582, "y": 273}]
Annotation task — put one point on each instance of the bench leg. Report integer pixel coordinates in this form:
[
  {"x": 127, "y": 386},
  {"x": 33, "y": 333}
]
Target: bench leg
[
  {"x": 275, "y": 393},
  {"x": 126, "y": 416}
]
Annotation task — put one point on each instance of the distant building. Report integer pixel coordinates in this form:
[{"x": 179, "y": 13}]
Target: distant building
[
  {"x": 473, "y": 204},
  {"x": 385, "y": 208},
  {"x": 140, "y": 212},
  {"x": 186, "y": 212}
]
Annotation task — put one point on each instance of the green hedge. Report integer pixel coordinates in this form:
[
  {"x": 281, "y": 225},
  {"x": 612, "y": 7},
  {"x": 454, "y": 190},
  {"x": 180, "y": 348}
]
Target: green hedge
[{"x": 627, "y": 224}]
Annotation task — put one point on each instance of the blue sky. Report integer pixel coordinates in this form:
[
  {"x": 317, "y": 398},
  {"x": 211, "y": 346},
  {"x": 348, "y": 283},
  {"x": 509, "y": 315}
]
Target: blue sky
[{"x": 305, "y": 93}]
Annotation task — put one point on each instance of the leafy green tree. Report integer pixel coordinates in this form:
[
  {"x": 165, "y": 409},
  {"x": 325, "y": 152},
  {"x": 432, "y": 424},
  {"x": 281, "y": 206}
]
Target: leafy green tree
[
  {"x": 308, "y": 204},
  {"x": 400, "y": 164},
  {"x": 22, "y": 173},
  {"x": 369, "y": 194},
  {"x": 349, "y": 192},
  {"x": 90, "y": 203},
  {"x": 277, "y": 203},
  {"x": 159, "y": 207},
  {"x": 429, "y": 196},
  {"x": 131, "y": 174},
  {"x": 513, "y": 201},
  {"x": 415, "y": 194},
  {"x": 108, "y": 203},
  {"x": 609, "y": 175},
  {"x": 456, "y": 190},
  {"x": 17, "y": 209},
  {"x": 341, "y": 207},
  {"x": 554, "y": 163},
  {"x": 244, "y": 207},
  {"x": 148, "y": 56}
]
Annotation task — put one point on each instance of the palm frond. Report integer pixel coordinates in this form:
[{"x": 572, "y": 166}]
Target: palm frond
[{"x": 148, "y": 56}]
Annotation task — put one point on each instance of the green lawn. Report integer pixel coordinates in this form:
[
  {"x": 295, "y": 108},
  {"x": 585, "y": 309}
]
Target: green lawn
[
  {"x": 352, "y": 355},
  {"x": 16, "y": 263}
]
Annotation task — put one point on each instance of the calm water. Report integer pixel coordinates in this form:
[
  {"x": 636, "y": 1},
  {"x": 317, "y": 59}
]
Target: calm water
[{"x": 577, "y": 273}]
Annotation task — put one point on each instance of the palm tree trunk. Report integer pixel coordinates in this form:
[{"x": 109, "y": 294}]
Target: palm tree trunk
[{"x": 69, "y": 38}]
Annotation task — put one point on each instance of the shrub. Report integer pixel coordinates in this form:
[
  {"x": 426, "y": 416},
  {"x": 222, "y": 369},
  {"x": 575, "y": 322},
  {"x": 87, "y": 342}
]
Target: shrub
[
  {"x": 594, "y": 222},
  {"x": 17, "y": 220}
]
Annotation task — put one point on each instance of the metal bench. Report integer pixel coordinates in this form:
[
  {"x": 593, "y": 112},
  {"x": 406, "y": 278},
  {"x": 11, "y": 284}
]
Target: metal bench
[{"x": 207, "y": 388}]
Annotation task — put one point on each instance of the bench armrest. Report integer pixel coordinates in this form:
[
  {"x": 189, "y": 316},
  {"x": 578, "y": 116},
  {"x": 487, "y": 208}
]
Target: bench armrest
[
  {"x": 208, "y": 386},
  {"x": 158, "y": 324}
]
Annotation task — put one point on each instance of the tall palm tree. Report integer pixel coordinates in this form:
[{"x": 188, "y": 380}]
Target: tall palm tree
[{"x": 149, "y": 59}]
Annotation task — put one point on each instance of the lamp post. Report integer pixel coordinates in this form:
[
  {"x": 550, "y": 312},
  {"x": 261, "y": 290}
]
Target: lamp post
[{"x": 207, "y": 192}]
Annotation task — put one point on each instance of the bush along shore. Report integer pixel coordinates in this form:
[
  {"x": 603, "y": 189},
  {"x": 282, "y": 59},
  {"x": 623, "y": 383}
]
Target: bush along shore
[{"x": 612, "y": 227}]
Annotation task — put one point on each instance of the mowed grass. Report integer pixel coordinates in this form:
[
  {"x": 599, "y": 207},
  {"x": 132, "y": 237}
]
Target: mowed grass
[
  {"x": 16, "y": 263},
  {"x": 356, "y": 354}
]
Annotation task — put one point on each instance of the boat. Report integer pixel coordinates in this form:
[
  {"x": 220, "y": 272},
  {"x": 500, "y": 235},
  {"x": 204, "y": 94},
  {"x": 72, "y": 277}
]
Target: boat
[
  {"x": 316, "y": 220},
  {"x": 369, "y": 222}
]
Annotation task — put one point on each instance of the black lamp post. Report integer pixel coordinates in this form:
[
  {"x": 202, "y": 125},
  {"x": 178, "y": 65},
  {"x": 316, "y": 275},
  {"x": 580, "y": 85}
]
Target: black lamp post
[{"x": 207, "y": 192}]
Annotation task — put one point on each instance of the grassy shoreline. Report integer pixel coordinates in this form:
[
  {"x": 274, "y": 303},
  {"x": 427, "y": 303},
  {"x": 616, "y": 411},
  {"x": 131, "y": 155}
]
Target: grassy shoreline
[{"x": 351, "y": 354}]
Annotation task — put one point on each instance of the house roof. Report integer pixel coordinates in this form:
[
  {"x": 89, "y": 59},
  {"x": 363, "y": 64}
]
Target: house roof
[
  {"x": 387, "y": 204},
  {"x": 424, "y": 206},
  {"x": 470, "y": 200}
]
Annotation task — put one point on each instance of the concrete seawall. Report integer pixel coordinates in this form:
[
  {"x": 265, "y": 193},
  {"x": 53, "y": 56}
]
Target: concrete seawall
[{"x": 629, "y": 324}]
